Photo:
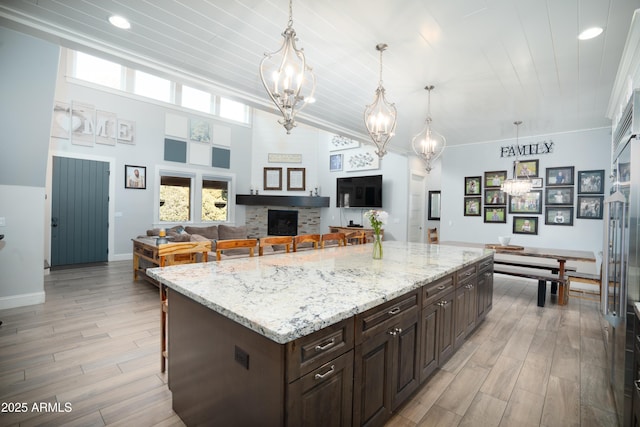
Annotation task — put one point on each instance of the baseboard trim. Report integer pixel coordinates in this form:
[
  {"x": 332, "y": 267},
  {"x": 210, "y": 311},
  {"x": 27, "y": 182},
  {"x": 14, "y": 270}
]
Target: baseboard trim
[
  {"x": 22, "y": 300},
  {"x": 122, "y": 257}
]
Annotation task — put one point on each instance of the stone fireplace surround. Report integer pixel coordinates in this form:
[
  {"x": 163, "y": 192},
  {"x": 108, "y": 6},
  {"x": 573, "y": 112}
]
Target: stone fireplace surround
[{"x": 257, "y": 217}]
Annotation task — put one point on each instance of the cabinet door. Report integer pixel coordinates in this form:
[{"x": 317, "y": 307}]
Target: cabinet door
[
  {"x": 323, "y": 397},
  {"x": 429, "y": 342},
  {"x": 406, "y": 351},
  {"x": 482, "y": 297},
  {"x": 472, "y": 305},
  {"x": 460, "y": 316},
  {"x": 372, "y": 380},
  {"x": 446, "y": 338}
]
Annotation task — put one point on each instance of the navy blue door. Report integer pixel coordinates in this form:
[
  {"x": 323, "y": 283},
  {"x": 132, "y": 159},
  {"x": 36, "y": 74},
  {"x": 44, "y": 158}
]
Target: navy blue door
[{"x": 79, "y": 211}]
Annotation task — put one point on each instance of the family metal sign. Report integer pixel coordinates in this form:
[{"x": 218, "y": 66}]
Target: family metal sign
[{"x": 543, "y": 147}]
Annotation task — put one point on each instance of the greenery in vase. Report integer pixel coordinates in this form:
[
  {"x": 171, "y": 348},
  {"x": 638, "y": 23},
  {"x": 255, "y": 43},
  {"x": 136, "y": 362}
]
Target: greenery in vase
[{"x": 377, "y": 219}]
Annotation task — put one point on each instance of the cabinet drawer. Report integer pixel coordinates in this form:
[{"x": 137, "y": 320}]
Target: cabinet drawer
[
  {"x": 308, "y": 353},
  {"x": 485, "y": 265},
  {"x": 433, "y": 291},
  {"x": 465, "y": 274},
  {"x": 379, "y": 318}
]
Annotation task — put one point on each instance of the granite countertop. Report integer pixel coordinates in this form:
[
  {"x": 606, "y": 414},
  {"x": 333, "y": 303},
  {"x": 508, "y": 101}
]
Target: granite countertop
[{"x": 287, "y": 296}]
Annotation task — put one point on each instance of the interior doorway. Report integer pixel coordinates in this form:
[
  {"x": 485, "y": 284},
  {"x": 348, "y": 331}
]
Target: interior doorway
[
  {"x": 79, "y": 211},
  {"x": 416, "y": 231}
]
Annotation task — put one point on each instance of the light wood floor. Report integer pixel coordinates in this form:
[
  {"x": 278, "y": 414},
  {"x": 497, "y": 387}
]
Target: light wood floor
[{"x": 94, "y": 345}]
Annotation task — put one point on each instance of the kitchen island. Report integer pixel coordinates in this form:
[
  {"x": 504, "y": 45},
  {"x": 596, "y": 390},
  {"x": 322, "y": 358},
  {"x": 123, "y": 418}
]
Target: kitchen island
[{"x": 328, "y": 337}]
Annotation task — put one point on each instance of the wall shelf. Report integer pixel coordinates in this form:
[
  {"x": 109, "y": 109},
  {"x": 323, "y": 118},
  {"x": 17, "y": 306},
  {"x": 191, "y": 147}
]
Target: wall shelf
[{"x": 296, "y": 201}]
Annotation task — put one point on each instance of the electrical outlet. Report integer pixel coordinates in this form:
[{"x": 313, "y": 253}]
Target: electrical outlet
[{"x": 242, "y": 357}]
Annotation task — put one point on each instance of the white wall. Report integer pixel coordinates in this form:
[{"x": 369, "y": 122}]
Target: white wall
[
  {"x": 585, "y": 150},
  {"x": 28, "y": 69}
]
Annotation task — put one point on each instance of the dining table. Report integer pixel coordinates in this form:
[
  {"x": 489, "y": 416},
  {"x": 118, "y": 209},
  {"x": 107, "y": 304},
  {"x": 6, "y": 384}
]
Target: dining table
[{"x": 561, "y": 256}]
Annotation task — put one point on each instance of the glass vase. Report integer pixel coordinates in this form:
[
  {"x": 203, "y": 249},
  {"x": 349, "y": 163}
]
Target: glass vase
[{"x": 377, "y": 246}]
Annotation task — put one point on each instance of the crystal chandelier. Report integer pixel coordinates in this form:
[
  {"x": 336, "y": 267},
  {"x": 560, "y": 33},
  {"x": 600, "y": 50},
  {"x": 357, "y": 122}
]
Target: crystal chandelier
[
  {"x": 428, "y": 144},
  {"x": 515, "y": 186},
  {"x": 291, "y": 82},
  {"x": 380, "y": 117}
]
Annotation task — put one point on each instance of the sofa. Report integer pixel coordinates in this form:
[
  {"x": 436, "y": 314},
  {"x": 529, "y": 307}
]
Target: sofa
[{"x": 213, "y": 233}]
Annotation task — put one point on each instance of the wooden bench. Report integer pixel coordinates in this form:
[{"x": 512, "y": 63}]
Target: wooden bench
[
  {"x": 553, "y": 268},
  {"x": 593, "y": 279},
  {"x": 532, "y": 271}
]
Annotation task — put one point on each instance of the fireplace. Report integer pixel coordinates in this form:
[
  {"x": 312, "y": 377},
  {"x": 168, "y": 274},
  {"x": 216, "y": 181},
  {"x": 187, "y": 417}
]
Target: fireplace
[{"x": 282, "y": 223}]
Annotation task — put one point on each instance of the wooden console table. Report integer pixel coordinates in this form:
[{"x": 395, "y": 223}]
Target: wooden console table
[
  {"x": 172, "y": 253},
  {"x": 368, "y": 232}
]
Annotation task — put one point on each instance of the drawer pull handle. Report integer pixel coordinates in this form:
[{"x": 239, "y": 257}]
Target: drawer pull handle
[
  {"x": 444, "y": 303},
  {"x": 637, "y": 384},
  {"x": 394, "y": 310},
  {"x": 329, "y": 372},
  {"x": 469, "y": 273},
  {"x": 441, "y": 287},
  {"x": 328, "y": 344},
  {"x": 395, "y": 331}
]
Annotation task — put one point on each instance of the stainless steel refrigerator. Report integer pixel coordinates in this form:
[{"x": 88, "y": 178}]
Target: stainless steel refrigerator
[{"x": 621, "y": 264}]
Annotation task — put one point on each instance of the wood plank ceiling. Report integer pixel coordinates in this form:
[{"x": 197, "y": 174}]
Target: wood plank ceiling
[{"x": 492, "y": 61}]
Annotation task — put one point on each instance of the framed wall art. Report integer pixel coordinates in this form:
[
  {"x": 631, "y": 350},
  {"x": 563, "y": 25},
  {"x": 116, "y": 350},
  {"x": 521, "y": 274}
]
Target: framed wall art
[
  {"x": 434, "y": 205},
  {"x": 590, "y": 207},
  {"x": 199, "y": 130},
  {"x": 525, "y": 225},
  {"x": 527, "y": 168},
  {"x": 495, "y": 197},
  {"x": 296, "y": 179},
  {"x": 472, "y": 185},
  {"x": 560, "y": 176},
  {"x": 536, "y": 182},
  {"x": 494, "y": 179},
  {"x": 362, "y": 158},
  {"x": 559, "y": 215},
  {"x": 559, "y": 196},
  {"x": 528, "y": 203},
  {"x": 472, "y": 206},
  {"x": 135, "y": 177},
  {"x": 497, "y": 214},
  {"x": 591, "y": 182},
  {"x": 272, "y": 179}
]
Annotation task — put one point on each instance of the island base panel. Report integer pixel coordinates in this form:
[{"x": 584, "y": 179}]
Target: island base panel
[{"x": 208, "y": 377}]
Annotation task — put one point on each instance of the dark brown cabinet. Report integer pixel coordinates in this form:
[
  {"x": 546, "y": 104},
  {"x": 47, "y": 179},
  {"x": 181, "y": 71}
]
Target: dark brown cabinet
[
  {"x": 436, "y": 343},
  {"x": 485, "y": 289},
  {"x": 465, "y": 304},
  {"x": 386, "y": 359}
]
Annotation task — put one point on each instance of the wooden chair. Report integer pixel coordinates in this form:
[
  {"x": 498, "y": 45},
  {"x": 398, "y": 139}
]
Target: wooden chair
[
  {"x": 432, "y": 236},
  {"x": 356, "y": 237},
  {"x": 232, "y": 244},
  {"x": 287, "y": 241},
  {"x": 172, "y": 254},
  {"x": 338, "y": 239},
  {"x": 306, "y": 238}
]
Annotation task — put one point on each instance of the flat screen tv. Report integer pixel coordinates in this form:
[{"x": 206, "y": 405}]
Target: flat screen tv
[{"x": 359, "y": 192}]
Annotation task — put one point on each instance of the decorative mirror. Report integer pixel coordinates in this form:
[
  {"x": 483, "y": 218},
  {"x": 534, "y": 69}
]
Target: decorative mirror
[{"x": 434, "y": 205}]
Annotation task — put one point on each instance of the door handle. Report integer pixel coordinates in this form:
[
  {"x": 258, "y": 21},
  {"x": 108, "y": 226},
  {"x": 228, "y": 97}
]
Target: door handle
[{"x": 54, "y": 222}]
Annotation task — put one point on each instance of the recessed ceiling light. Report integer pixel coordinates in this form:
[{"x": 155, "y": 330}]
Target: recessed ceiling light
[
  {"x": 120, "y": 22},
  {"x": 590, "y": 33}
]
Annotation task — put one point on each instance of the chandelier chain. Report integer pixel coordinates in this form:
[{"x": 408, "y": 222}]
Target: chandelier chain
[{"x": 290, "y": 23}]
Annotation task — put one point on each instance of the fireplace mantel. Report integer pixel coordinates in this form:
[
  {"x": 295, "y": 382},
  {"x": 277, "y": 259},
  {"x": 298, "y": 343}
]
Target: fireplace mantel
[{"x": 297, "y": 201}]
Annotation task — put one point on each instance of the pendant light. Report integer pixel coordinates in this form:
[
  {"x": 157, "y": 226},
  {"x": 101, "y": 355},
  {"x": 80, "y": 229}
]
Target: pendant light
[
  {"x": 289, "y": 81},
  {"x": 428, "y": 144},
  {"x": 380, "y": 117},
  {"x": 515, "y": 186}
]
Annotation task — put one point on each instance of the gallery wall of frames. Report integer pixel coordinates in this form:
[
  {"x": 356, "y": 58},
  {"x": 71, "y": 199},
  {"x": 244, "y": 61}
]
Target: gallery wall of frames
[{"x": 553, "y": 195}]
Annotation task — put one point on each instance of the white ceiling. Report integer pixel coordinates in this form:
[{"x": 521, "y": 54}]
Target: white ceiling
[{"x": 491, "y": 61}]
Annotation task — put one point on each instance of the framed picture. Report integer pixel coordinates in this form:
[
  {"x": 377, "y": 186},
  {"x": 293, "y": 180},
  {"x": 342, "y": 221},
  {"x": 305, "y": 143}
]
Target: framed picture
[
  {"x": 434, "y": 205},
  {"x": 559, "y": 196},
  {"x": 590, "y": 207},
  {"x": 561, "y": 215},
  {"x": 199, "y": 130},
  {"x": 525, "y": 225},
  {"x": 591, "y": 182},
  {"x": 527, "y": 203},
  {"x": 560, "y": 176},
  {"x": 272, "y": 179},
  {"x": 335, "y": 162},
  {"x": 536, "y": 182},
  {"x": 472, "y": 185},
  {"x": 528, "y": 168},
  {"x": 494, "y": 179},
  {"x": 135, "y": 177},
  {"x": 296, "y": 179},
  {"x": 362, "y": 158},
  {"x": 339, "y": 142},
  {"x": 495, "y": 197},
  {"x": 496, "y": 214},
  {"x": 472, "y": 206}
]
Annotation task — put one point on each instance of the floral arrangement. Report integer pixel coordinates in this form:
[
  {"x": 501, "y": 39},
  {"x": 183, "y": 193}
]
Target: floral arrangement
[{"x": 377, "y": 219}]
